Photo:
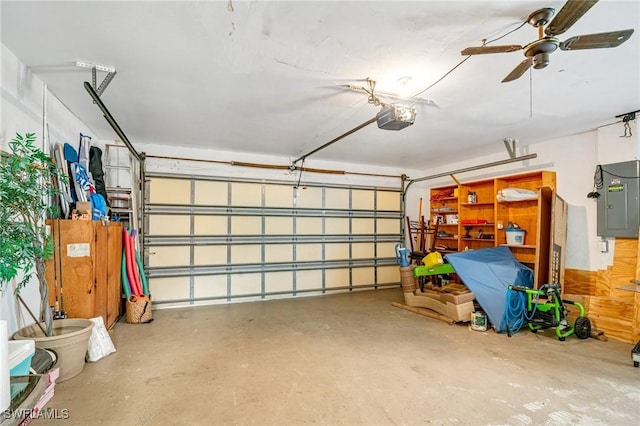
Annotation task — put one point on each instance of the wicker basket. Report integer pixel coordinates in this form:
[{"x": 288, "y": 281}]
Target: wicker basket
[{"x": 139, "y": 310}]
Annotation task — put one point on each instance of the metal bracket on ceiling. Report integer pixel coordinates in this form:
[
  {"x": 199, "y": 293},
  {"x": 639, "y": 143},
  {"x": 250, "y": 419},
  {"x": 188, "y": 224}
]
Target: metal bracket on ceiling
[
  {"x": 510, "y": 144},
  {"x": 111, "y": 73}
]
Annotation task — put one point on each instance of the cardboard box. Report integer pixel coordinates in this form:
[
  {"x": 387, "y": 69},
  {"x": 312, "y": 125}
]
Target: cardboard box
[
  {"x": 83, "y": 206},
  {"x": 82, "y": 211}
]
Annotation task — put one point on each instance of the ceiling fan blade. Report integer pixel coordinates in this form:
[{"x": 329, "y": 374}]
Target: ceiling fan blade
[
  {"x": 519, "y": 70},
  {"x": 568, "y": 15},
  {"x": 490, "y": 49},
  {"x": 596, "y": 41}
]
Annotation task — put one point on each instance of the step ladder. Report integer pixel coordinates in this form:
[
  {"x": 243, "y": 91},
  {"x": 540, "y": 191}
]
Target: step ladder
[{"x": 120, "y": 179}]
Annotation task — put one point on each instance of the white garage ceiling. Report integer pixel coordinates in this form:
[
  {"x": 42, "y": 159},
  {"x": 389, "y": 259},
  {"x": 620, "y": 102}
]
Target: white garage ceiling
[{"x": 270, "y": 77}]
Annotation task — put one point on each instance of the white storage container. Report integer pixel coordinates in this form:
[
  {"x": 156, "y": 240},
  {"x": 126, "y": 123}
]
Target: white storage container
[
  {"x": 515, "y": 237},
  {"x": 20, "y": 354}
]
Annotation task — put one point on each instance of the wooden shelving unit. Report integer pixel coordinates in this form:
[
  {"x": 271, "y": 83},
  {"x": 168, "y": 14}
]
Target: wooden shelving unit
[
  {"x": 445, "y": 208},
  {"x": 482, "y": 223}
]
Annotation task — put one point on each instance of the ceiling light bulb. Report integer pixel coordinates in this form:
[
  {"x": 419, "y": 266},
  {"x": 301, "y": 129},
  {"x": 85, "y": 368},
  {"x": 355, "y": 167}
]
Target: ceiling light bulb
[
  {"x": 404, "y": 83},
  {"x": 405, "y": 80}
]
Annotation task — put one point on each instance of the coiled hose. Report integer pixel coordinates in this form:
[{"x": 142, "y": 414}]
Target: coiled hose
[{"x": 515, "y": 308}]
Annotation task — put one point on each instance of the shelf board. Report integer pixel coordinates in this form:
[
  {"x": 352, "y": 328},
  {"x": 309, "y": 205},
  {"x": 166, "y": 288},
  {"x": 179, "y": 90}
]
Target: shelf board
[
  {"x": 530, "y": 200},
  {"x": 489, "y": 240},
  {"x": 524, "y": 246},
  {"x": 476, "y": 204}
]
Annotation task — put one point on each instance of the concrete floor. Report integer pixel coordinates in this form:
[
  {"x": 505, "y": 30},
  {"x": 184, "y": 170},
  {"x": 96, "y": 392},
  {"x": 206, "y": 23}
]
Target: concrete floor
[{"x": 346, "y": 359}]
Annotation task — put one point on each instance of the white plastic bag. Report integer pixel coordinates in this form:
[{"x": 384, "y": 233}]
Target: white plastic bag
[
  {"x": 516, "y": 194},
  {"x": 100, "y": 344}
]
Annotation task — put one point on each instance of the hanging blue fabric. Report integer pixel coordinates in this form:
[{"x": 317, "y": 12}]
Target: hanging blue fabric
[
  {"x": 98, "y": 206},
  {"x": 82, "y": 177}
]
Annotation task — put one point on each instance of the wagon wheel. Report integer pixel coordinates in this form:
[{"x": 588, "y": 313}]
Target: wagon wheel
[{"x": 582, "y": 328}]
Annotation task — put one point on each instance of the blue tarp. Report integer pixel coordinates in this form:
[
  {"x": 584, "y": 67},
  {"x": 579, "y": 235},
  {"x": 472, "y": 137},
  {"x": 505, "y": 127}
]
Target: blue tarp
[{"x": 488, "y": 273}]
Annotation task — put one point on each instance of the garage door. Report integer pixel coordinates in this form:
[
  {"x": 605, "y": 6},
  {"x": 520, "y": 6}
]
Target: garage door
[{"x": 211, "y": 239}]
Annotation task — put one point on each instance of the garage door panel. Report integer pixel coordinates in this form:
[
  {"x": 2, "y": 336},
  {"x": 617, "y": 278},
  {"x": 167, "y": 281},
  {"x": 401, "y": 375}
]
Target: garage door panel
[
  {"x": 209, "y": 225},
  {"x": 278, "y": 225},
  {"x": 309, "y": 198},
  {"x": 246, "y": 225},
  {"x": 362, "y": 251},
  {"x": 388, "y": 226},
  {"x": 337, "y": 226},
  {"x": 308, "y": 252},
  {"x": 209, "y": 255},
  {"x": 336, "y": 198},
  {"x": 362, "y": 226},
  {"x": 211, "y": 193},
  {"x": 388, "y": 274},
  {"x": 386, "y": 249},
  {"x": 213, "y": 286},
  {"x": 169, "y": 225},
  {"x": 387, "y": 200},
  {"x": 278, "y": 253},
  {"x": 362, "y": 200},
  {"x": 169, "y": 191},
  {"x": 308, "y": 280},
  {"x": 309, "y": 226},
  {"x": 246, "y": 284},
  {"x": 245, "y": 253},
  {"x": 278, "y": 282},
  {"x": 336, "y": 278},
  {"x": 246, "y": 194},
  {"x": 362, "y": 276},
  {"x": 278, "y": 196},
  {"x": 337, "y": 251},
  {"x": 173, "y": 288},
  {"x": 169, "y": 256}
]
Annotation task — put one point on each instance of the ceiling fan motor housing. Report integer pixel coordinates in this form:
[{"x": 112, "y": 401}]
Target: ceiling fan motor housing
[{"x": 540, "y": 49}]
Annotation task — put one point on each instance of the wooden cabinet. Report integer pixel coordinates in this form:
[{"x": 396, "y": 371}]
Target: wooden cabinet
[
  {"x": 84, "y": 274},
  {"x": 482, "y": 219}
]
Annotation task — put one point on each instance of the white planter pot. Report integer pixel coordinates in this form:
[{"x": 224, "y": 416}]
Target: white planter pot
[{"x": 69, "y": 342}]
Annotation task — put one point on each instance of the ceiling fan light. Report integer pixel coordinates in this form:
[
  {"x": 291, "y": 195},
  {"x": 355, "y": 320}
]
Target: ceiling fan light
[{"x": 540, "y": 60}]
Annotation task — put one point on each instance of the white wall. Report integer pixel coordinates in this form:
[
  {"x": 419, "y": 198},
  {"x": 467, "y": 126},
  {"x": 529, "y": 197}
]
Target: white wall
[
  {"x": 24, "y": 102},
  {"x": 574, "y": 159}
]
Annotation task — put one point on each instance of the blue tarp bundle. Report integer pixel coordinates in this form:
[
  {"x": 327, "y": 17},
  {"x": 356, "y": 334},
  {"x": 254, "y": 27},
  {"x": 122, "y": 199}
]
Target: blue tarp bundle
[{"x": 488, "y": 273}]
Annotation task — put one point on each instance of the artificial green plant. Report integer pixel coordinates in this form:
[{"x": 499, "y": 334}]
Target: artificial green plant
[{"x": 26, "y": 193}]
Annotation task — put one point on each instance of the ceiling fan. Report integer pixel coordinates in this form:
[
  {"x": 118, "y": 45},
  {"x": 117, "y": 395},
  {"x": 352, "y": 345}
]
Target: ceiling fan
[{"x": 537, "y": 52}]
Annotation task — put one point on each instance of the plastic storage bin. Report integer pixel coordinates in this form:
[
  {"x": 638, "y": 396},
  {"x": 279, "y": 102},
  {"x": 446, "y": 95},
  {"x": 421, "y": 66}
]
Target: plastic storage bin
[
  {"x": 515, "y": 237},
  {"x": 20, "y": 354}
]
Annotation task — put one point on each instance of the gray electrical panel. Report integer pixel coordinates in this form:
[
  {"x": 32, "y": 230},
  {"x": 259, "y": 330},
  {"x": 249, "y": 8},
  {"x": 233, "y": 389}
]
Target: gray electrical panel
[{"x": 618, "y": 203}]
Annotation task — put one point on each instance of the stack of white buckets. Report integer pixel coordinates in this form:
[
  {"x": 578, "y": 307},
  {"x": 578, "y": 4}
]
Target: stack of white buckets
[{"x": 15, "y": 359}]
